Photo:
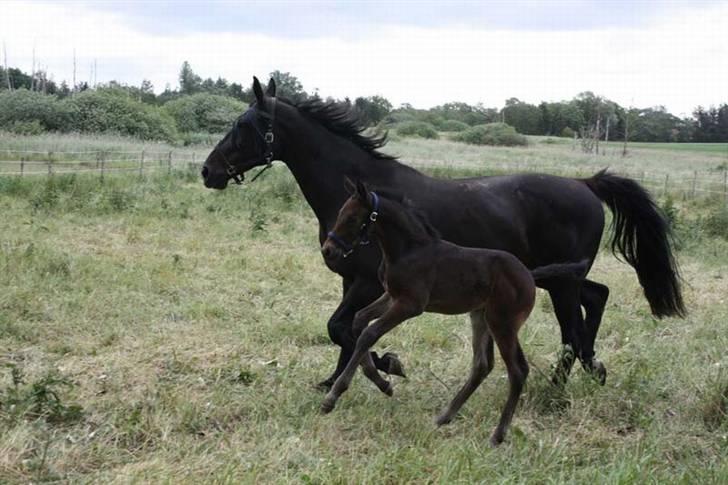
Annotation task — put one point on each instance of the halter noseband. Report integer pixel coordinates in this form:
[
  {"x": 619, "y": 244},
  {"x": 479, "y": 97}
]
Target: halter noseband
[
  {"x": 267, "y": 137},
  {"x": 363, "y": 238}
]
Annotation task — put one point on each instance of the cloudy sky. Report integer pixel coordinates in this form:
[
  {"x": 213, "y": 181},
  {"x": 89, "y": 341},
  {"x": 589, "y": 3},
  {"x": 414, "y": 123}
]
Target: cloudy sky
[{"x": 641, "y": 53}]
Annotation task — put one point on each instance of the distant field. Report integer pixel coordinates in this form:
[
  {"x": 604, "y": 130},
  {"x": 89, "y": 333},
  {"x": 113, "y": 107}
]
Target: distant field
[{"x": 720, "y": 149}]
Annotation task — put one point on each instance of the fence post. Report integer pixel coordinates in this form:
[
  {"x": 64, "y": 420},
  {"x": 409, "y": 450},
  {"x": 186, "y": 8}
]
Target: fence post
[
  {"x": 22, "y": 165},
  {"x": 141, "y": 166},
  {"x": 725, "y": 185},
  {"x": 695, "y": 179},
  {"x": 50, "y": 163},
  {"x": 667, "y": 177},
  {"x": 102, "y": 156},
  {"x": 169, "y": 163}
]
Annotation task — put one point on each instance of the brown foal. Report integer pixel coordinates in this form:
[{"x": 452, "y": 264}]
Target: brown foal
[{"x": 421, "y": 272}]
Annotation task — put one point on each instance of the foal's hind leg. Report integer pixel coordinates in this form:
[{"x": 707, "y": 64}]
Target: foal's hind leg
[
  {"x": 481, "y": 367},
  {"x": 506, "y": 337}
]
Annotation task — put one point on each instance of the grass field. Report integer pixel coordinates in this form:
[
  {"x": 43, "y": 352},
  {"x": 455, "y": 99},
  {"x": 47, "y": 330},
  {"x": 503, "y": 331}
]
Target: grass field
[{"x": 158, "y": 331}]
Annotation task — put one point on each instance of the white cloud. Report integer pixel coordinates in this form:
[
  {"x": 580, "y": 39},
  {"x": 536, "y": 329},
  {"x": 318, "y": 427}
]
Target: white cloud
[{"x": 680, "y": 60}]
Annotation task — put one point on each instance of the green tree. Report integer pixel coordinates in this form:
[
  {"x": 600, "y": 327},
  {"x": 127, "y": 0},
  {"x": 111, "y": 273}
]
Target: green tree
[
  {"x": 189, "y": 82},
  {"x": 288, "y": 86}
]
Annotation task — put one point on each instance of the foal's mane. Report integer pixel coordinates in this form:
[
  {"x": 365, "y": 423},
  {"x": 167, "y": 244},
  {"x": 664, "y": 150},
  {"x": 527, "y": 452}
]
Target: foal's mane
[
  {"x": 342, "y": 120},
  {"x": 410, "y": 217}
]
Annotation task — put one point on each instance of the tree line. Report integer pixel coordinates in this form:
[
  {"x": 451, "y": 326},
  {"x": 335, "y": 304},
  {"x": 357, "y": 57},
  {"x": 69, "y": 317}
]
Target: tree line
[{"x": 35, "y": 102}]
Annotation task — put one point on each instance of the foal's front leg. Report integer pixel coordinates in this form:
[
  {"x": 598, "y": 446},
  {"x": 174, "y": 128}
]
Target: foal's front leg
[
  {"x": 396, "y": 314},
  {"x": 362, "y": 318}
]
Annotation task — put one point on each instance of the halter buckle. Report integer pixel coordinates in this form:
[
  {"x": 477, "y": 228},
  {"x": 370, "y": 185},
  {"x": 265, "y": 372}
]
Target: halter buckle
[
  {"x": 373, "y": 216},
  {"x": 269, "y": 137}
]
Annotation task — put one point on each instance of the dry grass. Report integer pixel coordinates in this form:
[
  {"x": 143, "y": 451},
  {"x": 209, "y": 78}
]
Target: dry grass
[{"x": 192, "y": 326}]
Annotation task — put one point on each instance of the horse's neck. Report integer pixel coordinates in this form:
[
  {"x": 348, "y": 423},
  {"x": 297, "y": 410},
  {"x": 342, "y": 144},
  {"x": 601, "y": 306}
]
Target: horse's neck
[{"x": 319, "y": 161}]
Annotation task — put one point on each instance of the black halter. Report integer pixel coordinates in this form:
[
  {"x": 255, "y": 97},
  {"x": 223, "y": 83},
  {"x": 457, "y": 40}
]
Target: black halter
[
  {"x": 363, "y": 238},
  {"x": 252, "y": 117}
]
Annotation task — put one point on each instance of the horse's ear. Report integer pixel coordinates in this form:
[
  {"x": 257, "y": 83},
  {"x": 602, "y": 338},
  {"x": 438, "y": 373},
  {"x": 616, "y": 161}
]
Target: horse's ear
[
  {"x": 361, "y": 190},
  {"x": 271, "y": 89},
  {"x": 258, "y": 91},
  {"x": 349, "y": 185}
]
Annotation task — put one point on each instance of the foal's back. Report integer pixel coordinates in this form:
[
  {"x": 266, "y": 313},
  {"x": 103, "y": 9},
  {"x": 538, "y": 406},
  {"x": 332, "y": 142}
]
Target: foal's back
[{"x": 460, "y": 280}]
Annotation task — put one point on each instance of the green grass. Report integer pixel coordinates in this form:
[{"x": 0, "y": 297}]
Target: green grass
[{"x": 182, "y": 331}]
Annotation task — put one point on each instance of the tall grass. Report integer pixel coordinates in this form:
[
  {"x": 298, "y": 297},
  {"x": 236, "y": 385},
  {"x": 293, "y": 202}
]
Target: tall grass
[{"x": 181, "y": 331}]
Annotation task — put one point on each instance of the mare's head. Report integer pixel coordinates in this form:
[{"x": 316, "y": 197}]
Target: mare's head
[
  {"x": 353, "y": 222},
  {"x": 248, "y": 144}
]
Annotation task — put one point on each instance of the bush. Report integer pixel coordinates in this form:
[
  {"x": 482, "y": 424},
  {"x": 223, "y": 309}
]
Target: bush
[
  {"x": 24, "y": 111},
  {"x": 204, "y": 112},
  {"x": 453, "y": 125},
  {"x": 567, "y": 132},
  {"x": 114, "y": 111},
  {"x": 417, "y": 128},
  {"x": 26, "y": 128},
  {"x": 499, "y": 134}
]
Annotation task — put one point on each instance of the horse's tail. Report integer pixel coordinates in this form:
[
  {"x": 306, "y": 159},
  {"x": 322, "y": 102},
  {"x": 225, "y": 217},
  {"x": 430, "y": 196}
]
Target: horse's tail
[
  {"x": 642, "y": 236},
  {"x": 561, "y": 270}
]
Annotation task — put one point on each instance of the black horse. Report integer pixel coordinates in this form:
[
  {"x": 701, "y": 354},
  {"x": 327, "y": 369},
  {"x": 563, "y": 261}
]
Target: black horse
[{"x": 542, "y": 219}]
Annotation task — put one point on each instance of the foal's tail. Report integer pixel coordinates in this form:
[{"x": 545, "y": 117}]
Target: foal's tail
[
  {"x": 642, "y": 237},
  {"x": 561, "y": 270}
]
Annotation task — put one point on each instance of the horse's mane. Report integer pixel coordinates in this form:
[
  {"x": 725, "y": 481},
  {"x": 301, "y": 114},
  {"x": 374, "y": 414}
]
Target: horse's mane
[
  {"x": 412, "y": 218},
  {"x": 343, "y": 120}
]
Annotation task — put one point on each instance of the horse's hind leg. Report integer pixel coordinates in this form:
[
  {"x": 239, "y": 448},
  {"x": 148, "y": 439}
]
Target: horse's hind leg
[
  {"x": 481, "y": 367},
  {"x": 593, "y": 298},
  {"x": 506, "y": 338},
  {"x": 567, "y": 306}
]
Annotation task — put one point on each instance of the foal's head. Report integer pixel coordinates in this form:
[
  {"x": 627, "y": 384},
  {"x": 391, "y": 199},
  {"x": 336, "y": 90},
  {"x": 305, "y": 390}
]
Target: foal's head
[{"x": 353, "y": 222}]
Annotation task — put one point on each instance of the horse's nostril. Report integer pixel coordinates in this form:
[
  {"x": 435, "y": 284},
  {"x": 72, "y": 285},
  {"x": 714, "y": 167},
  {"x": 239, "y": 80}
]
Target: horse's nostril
[
  {"x": 326, "y": 251},
  {"x": 204, "y": 172}
]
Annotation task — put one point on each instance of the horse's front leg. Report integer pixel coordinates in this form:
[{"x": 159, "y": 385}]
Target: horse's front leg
[{"x": 357, "y": 294}]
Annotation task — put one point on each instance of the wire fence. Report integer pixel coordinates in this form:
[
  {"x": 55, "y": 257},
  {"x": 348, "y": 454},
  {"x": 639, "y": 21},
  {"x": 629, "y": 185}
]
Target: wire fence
[{"x": 699, "y": 183}]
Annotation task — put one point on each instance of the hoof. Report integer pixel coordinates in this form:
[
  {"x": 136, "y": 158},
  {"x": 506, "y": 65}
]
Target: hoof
[
  {"x": 496, "y": 440},
  {"x": 443, "y": 419},
  {"x": 597, "y": 370},
  {"x": 328, "y": 405},
  {"x": 392, "y": 365},
  {"x": 388, "y": 390}
]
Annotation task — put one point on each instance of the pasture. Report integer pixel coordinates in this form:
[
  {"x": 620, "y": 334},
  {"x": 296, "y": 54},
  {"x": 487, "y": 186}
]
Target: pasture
[{"x": 153, "y": 330}]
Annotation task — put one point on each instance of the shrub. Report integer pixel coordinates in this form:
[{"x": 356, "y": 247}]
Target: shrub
[
  {"x": 204, "y": 112},
  {"x": 417, "y": 128},
  {"x": 567, "y": 132},
  {"x": 453, "y": 125},
  {"x": 114, "y": 111},
  {"x": 499, "y": 134},
  {"x": 716, "y": 223},
  {"x": 24, "y": 111}
]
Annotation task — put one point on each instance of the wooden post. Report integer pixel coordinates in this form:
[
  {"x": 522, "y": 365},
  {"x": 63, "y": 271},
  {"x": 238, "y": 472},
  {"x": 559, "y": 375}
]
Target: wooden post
[
  {"x": 667, "y": 177},
  {"x": 141, "y": 165},
  {"x": 50, "y": 163},
  {"x": 22, "y": 165},
  {"x": 695, "y": 179},
  {"x": 725, "y": 185},
  {"x": 103, "y": 166},
  {"x": 169, "y": 163}
]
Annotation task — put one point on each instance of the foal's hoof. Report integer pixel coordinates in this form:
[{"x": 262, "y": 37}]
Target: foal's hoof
[
  {"x": 496, "y": 440},
  {"x": 597, "y": 370},
  {"x": 392, "y": 365},
  {"x": 388, "y": 389}
]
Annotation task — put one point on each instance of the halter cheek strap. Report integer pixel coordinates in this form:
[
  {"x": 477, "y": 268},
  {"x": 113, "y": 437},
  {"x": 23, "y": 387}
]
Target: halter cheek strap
[
  {"x": 363, "y": 238},
  {"x": 267, "y": 137}
]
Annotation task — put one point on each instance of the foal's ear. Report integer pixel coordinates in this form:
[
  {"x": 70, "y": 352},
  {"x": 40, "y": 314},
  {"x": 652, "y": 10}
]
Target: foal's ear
[
  {"x": 271, "y": 89},
  {"x": 258, "y": 91},
  {"x": 350, "y": 186}
]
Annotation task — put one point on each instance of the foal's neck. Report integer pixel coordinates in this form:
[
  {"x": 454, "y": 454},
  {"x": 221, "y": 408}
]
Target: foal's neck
[{"x": 398, "y": 232}]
